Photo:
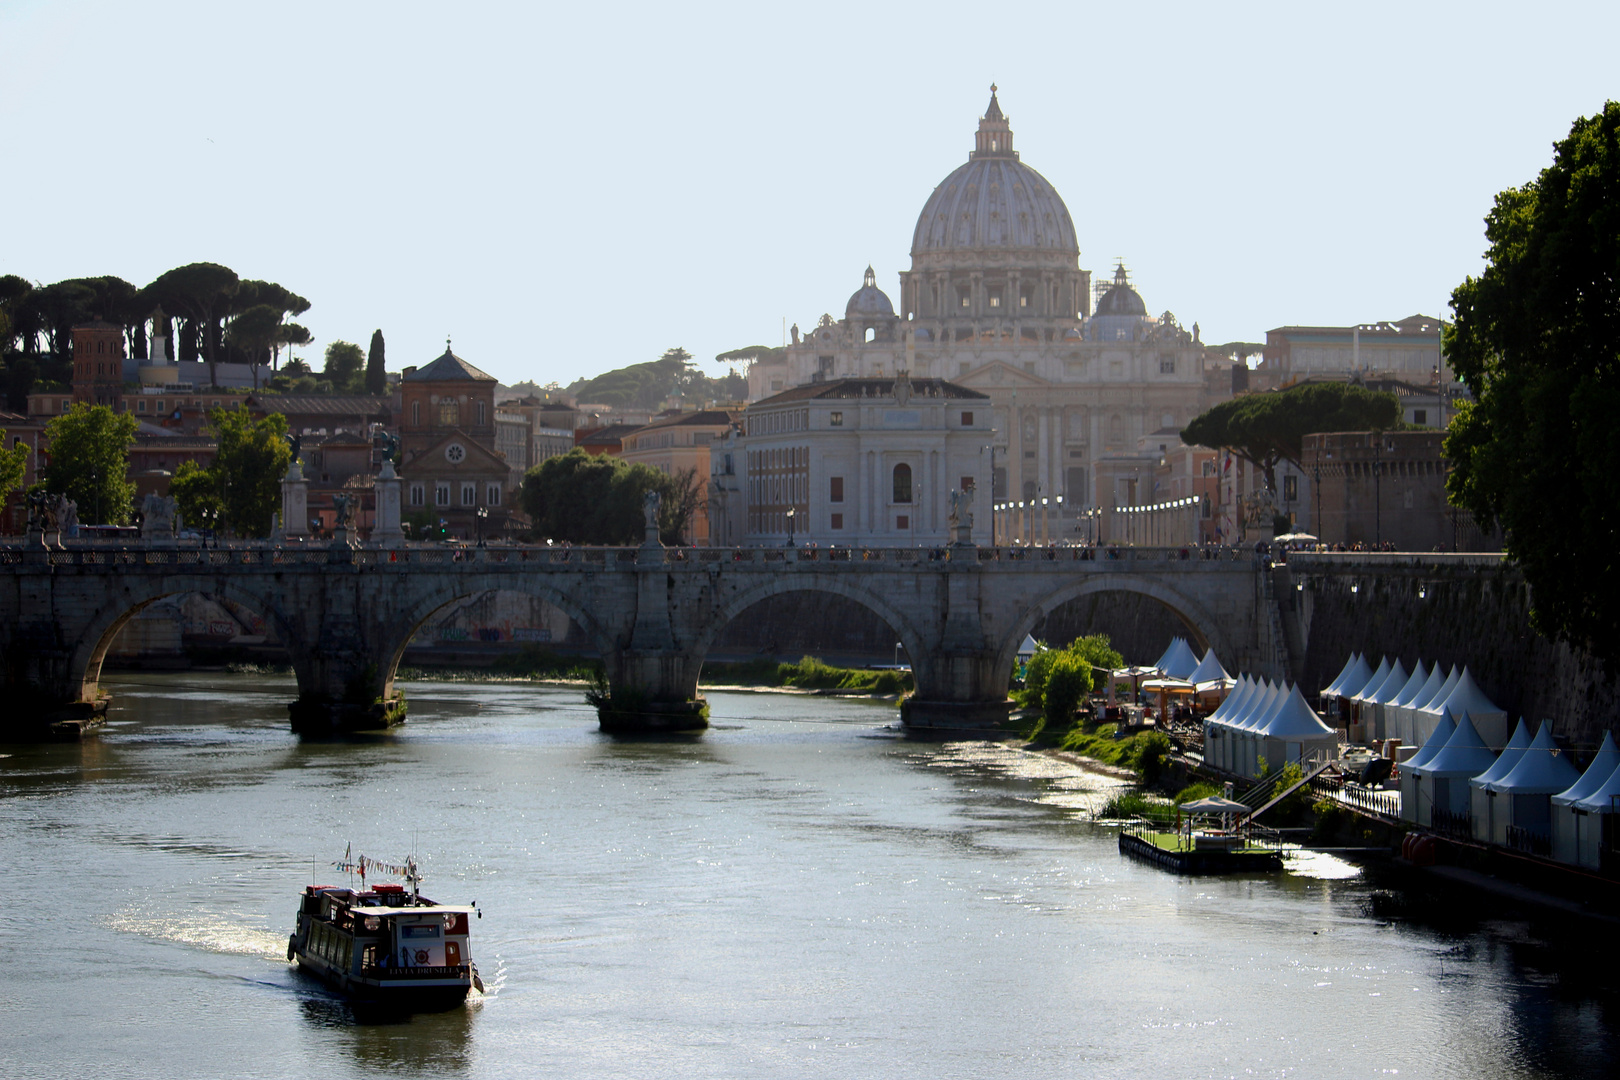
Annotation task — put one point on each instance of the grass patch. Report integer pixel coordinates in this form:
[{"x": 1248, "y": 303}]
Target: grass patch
[
  {"x": 1143, "y": 753},
  {"x": 533, "y": 662},
  {"x": 808, "y": 674},
  {"x": 1133, "y": 804}
]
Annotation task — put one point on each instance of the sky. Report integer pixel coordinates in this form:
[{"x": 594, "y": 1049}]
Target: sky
[{"x": 566, "y": 189}]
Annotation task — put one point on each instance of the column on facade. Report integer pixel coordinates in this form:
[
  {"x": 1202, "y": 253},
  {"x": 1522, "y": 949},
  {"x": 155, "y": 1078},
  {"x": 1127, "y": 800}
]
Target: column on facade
[{"x": 1015, "y": 458}]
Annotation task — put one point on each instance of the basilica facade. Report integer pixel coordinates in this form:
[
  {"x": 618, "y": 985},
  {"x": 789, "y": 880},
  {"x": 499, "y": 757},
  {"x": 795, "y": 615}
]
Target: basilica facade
[{"x": 1079, "y": 379}]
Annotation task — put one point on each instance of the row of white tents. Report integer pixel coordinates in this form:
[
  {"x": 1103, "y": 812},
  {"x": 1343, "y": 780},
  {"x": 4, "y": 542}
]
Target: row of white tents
[
  {"x": 1180, "y": 663},
  {"x": 1389, "y": 702},
  {"x": 1261, "y": 719},
  {"x": 1530, "y": 791}
]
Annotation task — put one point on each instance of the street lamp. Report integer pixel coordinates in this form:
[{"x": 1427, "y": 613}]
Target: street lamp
[
  {"x": 1044, "y": 534},
  {"x": 791, "y": 511},
  {"x": 482, "y": 516}
]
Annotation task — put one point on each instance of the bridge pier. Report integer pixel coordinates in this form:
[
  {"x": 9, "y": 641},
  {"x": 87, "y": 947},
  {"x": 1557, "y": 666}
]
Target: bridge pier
[
  {"x": 957, "y": 691},
  {"x": 652, "y": 683}
]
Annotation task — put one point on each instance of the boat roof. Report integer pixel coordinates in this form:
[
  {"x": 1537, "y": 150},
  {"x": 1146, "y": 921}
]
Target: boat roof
[{"x": 420, "y": 909}]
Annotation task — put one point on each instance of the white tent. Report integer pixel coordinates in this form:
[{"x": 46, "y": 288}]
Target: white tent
[
  {"x": 1368, "y": 703},
  {"x": 1425, "y": 719},
  {"x": 1404, "y": 726},
  {"x": 1441, "y": 782},
  {"x": 1295, "y": 733},
  {"x": 1027, "y": 649},
  {"x": 1409, "y": 799},
  {"x": 1332, "y": 688},
  {"x": 1489, "y": 720},
  {"x": 1524, "y": 796},
  {"x": 1481, "y": 801},
  {"x": 1351, "y": 682},
  {"x": 1380, "y": 673},
  {"x": 1605, "y": 800},
  {"x": 1218, "y": 724},
  {"x": 1236, "y": 725},
  {"x": 1567, "y": 824},
  {"x": 1389, "y": 714},
  {"x": 1178, "y": 660},
  {"x": 1209, "y": 673},
  {"x": 1249, "y": 737}
]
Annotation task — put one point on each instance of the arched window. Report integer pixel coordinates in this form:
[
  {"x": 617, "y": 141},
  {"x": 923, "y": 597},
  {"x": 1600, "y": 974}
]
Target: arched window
[
  {"x": 902, "y": 483},
  {"x": 449, "y": 413}
]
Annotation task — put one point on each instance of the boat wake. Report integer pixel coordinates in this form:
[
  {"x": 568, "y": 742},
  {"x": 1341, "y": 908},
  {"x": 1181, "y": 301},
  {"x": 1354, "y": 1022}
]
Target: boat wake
[{"x": 211, "y": 934}]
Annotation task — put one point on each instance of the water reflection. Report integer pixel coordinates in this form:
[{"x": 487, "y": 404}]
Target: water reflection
[{"x": 427, "y": 1044}]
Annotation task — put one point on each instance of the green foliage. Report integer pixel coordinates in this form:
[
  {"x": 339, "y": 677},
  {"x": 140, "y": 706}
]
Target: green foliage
[
  {"x": 376, "y": 365},
  {"x": 1269, "y": 428},
  {"x": 1200, "y": 789},
  {"x": 1133, "y": 804},
  {"x": 1085, "y": 655},
  {"x": 648, "y": 385},
  {"x": 1329, "y": 817},
  {"x": 244, "y": 482},
  {"x": 1145, "y": 753},
  {"x": 200, "y": 294},
  {"x": 810, "y": 673},
  {"x": 344, "y": 362},
  {"x": 13, "y": 464},
  {"x": 534, "y": 662},
  {"x": 1067, "y": 685},
  {"x": 89, "y": 462},
  {"x": 196, "y": 494},
  {"x": 586, "y": 499},
  {"x": 1293, "y": 807},
  {"x": 1537, "y": 340},
  {"x": 253, "y": 333}
]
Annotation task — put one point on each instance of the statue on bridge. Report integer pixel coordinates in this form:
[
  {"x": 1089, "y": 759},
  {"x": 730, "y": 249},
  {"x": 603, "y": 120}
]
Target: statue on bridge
[
  {"x": 650, "y": 502},
  {"x": 961, "y": 517},
  {"x": 344, "y": 504},
  {"x": 67, "y": 517},
  {"x": 158, "y": 517}
]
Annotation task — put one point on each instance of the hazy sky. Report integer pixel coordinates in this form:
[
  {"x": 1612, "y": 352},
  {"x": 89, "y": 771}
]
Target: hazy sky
[{"x": 569, "y": 188}]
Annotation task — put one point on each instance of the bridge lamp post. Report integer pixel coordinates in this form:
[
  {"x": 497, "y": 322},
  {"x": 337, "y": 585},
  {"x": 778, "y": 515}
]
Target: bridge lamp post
[
  {"x": 482, "y": 516},
  {"x": 1059, "y": 500},
  {"x": 1045, "y": 534},
  {"x": 790, "y": 513}
]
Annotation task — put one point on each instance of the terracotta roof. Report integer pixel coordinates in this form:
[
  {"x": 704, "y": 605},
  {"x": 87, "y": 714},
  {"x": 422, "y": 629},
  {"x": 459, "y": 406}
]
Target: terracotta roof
[
  {"x": 872, "y": 388},
  {"x": 449, "y": 368},
  {"x": 611, "y": 434},
  {"x": 701, "y": 418}
]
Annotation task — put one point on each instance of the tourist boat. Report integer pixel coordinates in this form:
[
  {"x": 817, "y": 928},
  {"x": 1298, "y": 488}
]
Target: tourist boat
[{"x": 384, "y": 945}]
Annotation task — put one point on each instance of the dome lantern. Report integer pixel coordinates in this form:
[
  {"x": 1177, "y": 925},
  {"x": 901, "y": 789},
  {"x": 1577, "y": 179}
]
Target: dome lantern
[{"x": 995, "y": 137}]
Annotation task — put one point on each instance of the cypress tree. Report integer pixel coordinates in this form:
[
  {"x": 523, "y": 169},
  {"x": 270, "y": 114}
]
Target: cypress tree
[{"x": 376, "y": 376}]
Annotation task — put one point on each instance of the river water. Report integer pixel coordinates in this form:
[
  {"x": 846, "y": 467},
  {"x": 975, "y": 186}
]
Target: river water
[{"x": 799, "y": 892}]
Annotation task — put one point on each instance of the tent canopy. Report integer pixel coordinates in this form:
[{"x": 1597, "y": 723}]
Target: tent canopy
[
  {"x": 1414, "y": 683},
  {"x": 1511, "y": 753},
  {"x": 1606, "y": 799},
  {"x": 1294, "y": 720},
  {"x": 1387, "y": 689},
  {"x": 1178, "y": 660},
  {"x": 1440, "y": 695},
  {"x": 1467, "y": 697},
  {"x": 1356, "y": 680},
  {"x": 1214, "y": 804},
  {"x": 1344, "y": 672},
  {"x": 1603, "y": 765},
  {"x": 1436, "y": 743},
  {"x": 1464, "y": 756},
  {"x": 1029, "y": 646},
  {"x": 1374, "y": 682},
  {"x": 1431, "y": 687},
  {"x": 1208, "y": 670},
  {"x": 1543, "y": 770}
]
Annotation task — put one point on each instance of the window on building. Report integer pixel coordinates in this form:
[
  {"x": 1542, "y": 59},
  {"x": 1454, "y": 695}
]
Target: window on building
[
  {"x": 418, "y": 495},
  {"x": 441, "y": 494},
  {"x": 416, "y": 414},
  {"x": 902, "y": 483},
  {"x": 449, "y": 413},
  {"x": 967, "y": 483},
  {"x": 1420, "y": 416},
  {"x": 902, "y": 521},
  {"x": 469, "y": 494},
  {"x": 492, "y": 495},
  {"x": 835, "y": 419},
  {"x": 964, "y": 299},
  {"x": 837, "y": 521},
  {"x": 967, "y": 419},
  {"x": 1167, "y": 365},
  {"x": 995, "y": 299},
  {"x": 1290, "y": 487},
  {"x": 140, "y": 406},
  {"x": 480, "y": 414},
  {"x": 836, "y": 494}
]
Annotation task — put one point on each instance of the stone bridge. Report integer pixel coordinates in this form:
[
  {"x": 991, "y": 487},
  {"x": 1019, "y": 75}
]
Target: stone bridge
[{"x": 345, "y": 614}]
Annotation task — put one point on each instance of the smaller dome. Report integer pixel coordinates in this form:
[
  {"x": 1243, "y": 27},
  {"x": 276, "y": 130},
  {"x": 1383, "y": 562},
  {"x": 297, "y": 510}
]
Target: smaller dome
[
  {"x": 869, "y": 302},
  {"x": 1121, "y": 299}
]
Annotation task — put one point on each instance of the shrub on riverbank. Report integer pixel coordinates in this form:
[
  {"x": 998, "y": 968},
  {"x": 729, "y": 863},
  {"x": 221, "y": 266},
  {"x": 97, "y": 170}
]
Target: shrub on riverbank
[
  {"x": 533, "y": 662},
  {"x": 810, "y": 673},
  {"x": 1144, "y": 753}
]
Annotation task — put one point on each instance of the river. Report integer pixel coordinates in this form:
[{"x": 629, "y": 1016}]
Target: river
[{"x": 801, "y": 892}]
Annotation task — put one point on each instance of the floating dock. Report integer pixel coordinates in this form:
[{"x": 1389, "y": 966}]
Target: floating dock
[{"x": 1171, "y": 851}]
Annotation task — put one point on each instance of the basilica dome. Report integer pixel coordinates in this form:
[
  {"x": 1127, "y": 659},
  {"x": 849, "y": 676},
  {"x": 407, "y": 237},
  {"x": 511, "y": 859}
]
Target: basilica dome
[
  {"x": 869, "y": 301},
  {"x": 994, "y": 202},
  {"x": 1121, "y": 298}
]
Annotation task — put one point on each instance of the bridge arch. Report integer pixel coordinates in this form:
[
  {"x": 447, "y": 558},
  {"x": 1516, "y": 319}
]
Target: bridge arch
[
  {"x": 454, "y": 589},
  {"x": 914, "y": 641},
  {"x": 139, "y": 593},
  {"x": 1206, "y": 631}
]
